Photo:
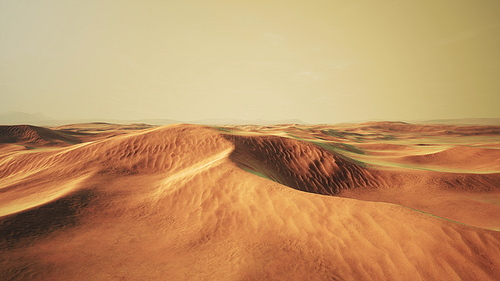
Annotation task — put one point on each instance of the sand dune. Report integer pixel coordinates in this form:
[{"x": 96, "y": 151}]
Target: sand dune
[
  {"x": 188, "y": 202},
  {"x": 299, "y": 164},
  {"x": 438, "y": 130},
  {"x": 463, "y": 157},
  {"x": 32, "y": 135}
]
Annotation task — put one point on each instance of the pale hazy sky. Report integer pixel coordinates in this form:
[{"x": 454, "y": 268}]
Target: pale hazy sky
[{"x": 319, "y": 61}]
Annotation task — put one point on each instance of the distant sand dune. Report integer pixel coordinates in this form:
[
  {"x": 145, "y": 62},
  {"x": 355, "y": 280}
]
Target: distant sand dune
[
  {"x": 187, "y": 202},
  {"x": 437, "y": 130},
  {"x": 461, "y": 157},
  {"x": 34, "y": 135}
]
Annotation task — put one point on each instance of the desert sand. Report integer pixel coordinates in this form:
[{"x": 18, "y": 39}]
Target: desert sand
[{"x": 370, "y": 201}]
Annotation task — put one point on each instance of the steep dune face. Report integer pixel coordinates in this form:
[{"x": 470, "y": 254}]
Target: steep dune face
[
  {"x": 174, "y": 203},
  {"x": 299, "y": 164}
]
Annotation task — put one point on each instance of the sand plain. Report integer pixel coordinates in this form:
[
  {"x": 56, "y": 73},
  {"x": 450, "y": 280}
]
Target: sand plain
[{"x": 370, "y": 201}]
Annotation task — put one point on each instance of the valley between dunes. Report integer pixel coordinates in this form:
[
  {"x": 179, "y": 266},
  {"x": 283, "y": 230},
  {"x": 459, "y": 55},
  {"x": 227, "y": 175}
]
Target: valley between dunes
[{"x": 370, "y": 201}]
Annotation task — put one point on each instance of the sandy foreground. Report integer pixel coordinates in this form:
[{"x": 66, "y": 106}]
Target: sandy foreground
[{"x": 371, "y": 201}]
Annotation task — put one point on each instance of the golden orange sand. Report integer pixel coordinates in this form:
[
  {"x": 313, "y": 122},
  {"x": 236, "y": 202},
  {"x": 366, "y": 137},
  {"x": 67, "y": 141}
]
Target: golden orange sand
[{"x": 373, "y": 201}]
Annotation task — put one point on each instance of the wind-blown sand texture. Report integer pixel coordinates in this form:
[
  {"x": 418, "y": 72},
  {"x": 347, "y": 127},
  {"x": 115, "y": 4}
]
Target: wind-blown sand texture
[{"x": 371, "y": 201}]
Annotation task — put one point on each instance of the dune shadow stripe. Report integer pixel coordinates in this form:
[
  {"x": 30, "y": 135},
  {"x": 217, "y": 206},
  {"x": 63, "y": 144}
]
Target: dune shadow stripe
[{"x": 43, "y": 220}]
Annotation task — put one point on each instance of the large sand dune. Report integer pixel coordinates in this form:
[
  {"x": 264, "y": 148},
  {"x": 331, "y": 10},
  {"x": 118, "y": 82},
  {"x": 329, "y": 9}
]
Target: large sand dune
[{"x": 373, "y": 201}]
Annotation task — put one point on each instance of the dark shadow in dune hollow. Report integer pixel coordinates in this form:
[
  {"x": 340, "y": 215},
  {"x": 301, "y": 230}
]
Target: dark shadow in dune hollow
[{"x": 42, "y": 220}]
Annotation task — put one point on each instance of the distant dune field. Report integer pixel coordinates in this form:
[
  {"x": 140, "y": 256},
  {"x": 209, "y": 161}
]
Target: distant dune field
[{"x": 369, "y": 201}]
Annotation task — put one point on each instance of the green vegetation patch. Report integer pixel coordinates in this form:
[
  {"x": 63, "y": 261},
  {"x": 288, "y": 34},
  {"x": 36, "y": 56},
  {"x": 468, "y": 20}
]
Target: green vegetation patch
[{"x": 335, "y": 147}]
